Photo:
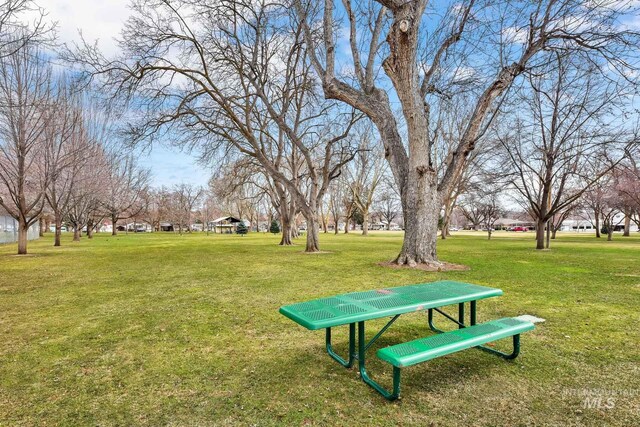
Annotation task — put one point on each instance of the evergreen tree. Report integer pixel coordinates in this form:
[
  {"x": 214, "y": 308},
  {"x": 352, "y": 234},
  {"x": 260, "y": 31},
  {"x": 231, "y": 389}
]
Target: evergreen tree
[
  {"x": 242, "y": 229},
  {"x": 275, "y": 228}
]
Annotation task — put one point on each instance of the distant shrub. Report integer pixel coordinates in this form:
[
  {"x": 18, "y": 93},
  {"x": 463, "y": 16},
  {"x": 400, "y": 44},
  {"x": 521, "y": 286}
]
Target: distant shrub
[{"x": 274, "y": 228}]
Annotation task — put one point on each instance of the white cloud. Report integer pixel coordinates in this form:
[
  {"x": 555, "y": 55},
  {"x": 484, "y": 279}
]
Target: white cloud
[{"x": 98, "y": 19}]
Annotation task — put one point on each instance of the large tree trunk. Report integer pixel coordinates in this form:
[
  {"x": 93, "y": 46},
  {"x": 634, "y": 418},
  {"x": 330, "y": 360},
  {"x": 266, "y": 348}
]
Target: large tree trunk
[
  {"x": 597, "y": 223},
  {"x": 444, "y": 233},
  {"x": 554, "y": 230},
  {"x": 421, "y": 208},
  {"x": 446, "y": 219},
  {"x": 114, "y": 229},
  {"x": 627, "y": 224},
  {"x": 365, "y": 223},
  {"x": 323, "y": 217},
  {"x": 610, "y": 232},
  {"x": 540, "y": 234},
  {"x": 293, "y": 227},
  {"x": 58, "y": 221},
  {"x": 548, "y": 227},
  {"x": 90, "y": 229},
  {"x": 76, "y": 233},
  {"x": 286, "y": 234},
  {"x": 23, "y": 230},
  {"x": 287, "y": 219},
  {"x": 313, "y": 231}
]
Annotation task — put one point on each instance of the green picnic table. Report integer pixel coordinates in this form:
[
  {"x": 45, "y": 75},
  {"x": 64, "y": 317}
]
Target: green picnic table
[{"x": 355, "y": 308}]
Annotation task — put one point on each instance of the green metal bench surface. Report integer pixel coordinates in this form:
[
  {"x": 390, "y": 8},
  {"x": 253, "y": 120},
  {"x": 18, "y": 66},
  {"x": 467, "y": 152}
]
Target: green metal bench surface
[
  {"x": 421, "y": 350},
  {"x": 360, "y": 306}
]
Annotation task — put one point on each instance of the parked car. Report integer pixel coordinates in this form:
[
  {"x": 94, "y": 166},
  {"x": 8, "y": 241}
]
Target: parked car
[
  {"x": 519, "y": 229},
  {"x": 453, "y": 228}
]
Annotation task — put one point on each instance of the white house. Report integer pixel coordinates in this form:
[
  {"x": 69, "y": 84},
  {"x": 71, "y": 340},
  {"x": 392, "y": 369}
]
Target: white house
[
  {"x": 582, "y": 225},
  {"x": 9, "y": 229}
]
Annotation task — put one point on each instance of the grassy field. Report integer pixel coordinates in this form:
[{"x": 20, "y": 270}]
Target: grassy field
[{"x": 161, "y": 329}]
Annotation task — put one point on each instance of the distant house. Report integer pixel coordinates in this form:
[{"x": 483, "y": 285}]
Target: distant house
[
  {"x": 9, "y": 229},
  {"x": 578, "y": 224},
  {"x": 225, "y": 224}
]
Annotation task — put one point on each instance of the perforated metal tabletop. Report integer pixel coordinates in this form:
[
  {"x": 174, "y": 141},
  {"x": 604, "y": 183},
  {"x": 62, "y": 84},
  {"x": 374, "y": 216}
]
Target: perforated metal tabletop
[{"x": 360, "y": 306}]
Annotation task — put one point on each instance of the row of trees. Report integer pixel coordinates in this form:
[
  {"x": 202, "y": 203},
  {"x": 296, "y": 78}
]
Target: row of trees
[
  {"x": 611, "y": 202},
  {"x": 57, "y": 152},
  {"x": 279, "y": 88}
]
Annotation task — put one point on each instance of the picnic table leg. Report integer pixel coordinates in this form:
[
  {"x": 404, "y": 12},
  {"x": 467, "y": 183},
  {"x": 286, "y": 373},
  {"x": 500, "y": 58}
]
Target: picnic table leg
[
  {"x": 363, "y": 370},
  {"x": 473, "y": 313},
  {"x": 440, "y": 331},
  {"x": 352, "y": 347},
  {"x": 508, "y": 356},
  {"x": 431, "y": 325}
]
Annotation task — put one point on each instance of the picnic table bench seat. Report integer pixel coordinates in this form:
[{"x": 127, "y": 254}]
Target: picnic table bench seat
[{"x": 424, "y": 349}]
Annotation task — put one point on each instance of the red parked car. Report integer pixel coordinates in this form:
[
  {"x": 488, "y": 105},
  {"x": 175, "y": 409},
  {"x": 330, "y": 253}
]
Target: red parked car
[{"x": 519, "y": 229}]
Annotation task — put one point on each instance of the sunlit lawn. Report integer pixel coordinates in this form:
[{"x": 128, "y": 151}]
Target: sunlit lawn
[{"x": 161, "y": 329}]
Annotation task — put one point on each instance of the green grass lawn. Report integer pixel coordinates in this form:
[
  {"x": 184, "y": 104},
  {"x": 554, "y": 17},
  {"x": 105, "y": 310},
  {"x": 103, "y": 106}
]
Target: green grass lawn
[{"x": 161, "y": 329}]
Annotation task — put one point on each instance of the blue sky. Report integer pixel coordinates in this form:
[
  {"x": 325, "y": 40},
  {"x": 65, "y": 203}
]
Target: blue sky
[
  {"x": 102, "y": 20},
  {"x": 169, "y": 166}
]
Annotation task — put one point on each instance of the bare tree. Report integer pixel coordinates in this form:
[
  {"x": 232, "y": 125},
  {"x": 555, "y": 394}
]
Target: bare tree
[
  {"x": 482, "y": 207},
  {"x": 15, "y": 32},
  {"x": 88, "y": 192},
  {"x": 388, "y": 203},
  {"x": 629, "y": 189},
  {"x": 591, "y": 204},
  {"x": 336, "y": 194},
  {"x": 230, "y": 76},
  {"x": 25, "y": 79},
  {"x": 242, "y": 186},
  {"x": 126, "y": 184},
  {"x": 65, "y": 137},
  {"x": 187, "y": 196},
  {"x": 612, "y": 206},
  {"x": 349, "y": 209},
  {"x": 426, "y": 57},
  {"x": 554, "y": 144},
  {"x": 365, "y": 173},
  {"x": 154, "y": 211},
  {"x": 208, "y": 210},
  {"x": 556, "y": 221}
]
